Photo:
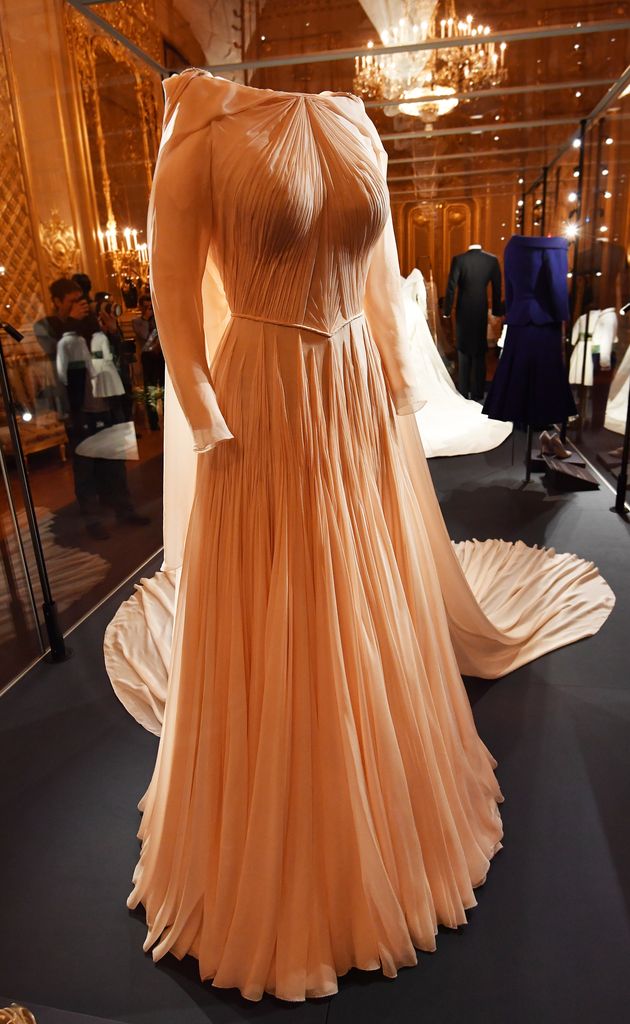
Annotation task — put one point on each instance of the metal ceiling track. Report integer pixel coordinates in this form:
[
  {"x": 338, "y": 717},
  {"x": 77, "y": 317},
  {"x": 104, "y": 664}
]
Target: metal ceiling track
[
  {"x": 479, "y": 129},
  {"x": 507, "y": 90},
  {"x": 519, "y": 35},
  {"x": 438, "y": 197},
  {"x": 598, "y": 111},
  {"x": 293, "y": 60},
  {"x": 466, "y": 174},
  {"x": 469, "y": 154}
]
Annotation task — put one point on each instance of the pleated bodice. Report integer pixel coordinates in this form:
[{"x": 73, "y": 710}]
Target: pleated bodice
[{"x": 305, "y": 192}]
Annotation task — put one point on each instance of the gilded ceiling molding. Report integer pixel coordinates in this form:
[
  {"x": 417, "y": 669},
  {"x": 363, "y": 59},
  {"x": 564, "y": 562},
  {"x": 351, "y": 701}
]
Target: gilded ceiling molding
[{"x": 59, "y": 242}]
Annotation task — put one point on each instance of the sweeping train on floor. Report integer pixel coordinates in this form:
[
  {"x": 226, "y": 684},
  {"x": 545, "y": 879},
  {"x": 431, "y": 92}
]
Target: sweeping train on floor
[{"x": 321, "y": 799}]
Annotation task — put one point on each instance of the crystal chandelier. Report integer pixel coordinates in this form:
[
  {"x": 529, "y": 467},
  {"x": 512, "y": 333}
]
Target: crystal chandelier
[{"x": 433, "y": 77}]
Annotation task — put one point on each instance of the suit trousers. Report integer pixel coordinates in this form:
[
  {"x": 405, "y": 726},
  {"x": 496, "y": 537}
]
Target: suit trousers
[{"x": 471, "y": 374}]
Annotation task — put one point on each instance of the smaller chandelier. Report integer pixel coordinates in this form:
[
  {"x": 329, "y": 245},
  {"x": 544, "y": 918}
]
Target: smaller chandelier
[
  {"x": 124, "y": 242},
  {"x": 433, "y": 79},
  {"x": 122, "y": 250}
]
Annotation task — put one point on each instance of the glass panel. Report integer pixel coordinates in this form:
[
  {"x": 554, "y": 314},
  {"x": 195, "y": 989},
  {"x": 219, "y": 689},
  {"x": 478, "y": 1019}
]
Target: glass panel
[
  {"x": 80, "y": 117},
  {"x": 80, "y": 130},
  {"x": 19, "y": 634}
]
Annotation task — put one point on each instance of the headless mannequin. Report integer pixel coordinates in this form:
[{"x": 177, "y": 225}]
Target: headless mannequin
[{"x": 470, "y": 274}]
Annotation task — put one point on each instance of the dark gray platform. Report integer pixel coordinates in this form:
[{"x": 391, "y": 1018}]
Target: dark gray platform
[{"x": 550, "y": 940}]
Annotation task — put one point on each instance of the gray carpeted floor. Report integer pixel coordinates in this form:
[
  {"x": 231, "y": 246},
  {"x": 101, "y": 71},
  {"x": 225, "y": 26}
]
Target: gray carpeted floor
[{"x": 550, "y": 940}]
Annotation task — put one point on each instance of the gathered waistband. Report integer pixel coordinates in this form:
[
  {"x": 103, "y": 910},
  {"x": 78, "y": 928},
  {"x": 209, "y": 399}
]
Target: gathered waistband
[{"x": 300, "y": 327}]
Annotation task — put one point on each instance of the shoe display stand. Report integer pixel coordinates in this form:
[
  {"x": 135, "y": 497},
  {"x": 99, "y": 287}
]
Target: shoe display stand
[
  {"x": 569, "y": 474},
  {"x": 563, "y": 474}
]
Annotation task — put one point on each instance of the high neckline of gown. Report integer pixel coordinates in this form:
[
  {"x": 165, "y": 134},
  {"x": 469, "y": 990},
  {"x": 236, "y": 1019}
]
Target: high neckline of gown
[{"x": 326, "y": 94}]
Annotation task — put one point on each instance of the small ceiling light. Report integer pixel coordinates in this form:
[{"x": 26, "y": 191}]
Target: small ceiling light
[
  {"x": 476, "y": 117},
  {"x": 578, "y": 94},
  {"x": 576, "y": 173},
  {"x": 496, "y": 138},
  {"x": 604, "y": 227},
  {"x": 607, "y": 195},
  {"x": 497, "y": 117},
  {"x": 570, "y": 274},
  {"x": 520, "y": 202},
  {"x": 576, "y": 143},
  {"x": 503, "y": 238},
  {"x": 598, "y": 273},
  {"x": 576, "y": 46},
  {"x": 521, "y": 180},
  {"x": 571, "y": 231},
  {"x": 27, "y": 416},
  {"x": 572, "y": 197},
  {"x": 604, "y": 171},
  {"x": 609, "y": 141},
  {"x": 262, "y": 39}
]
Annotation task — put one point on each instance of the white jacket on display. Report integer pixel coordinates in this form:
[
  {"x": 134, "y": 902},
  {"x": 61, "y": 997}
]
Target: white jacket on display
[
  {"x": 107, "y": 382},
  {"x": 602, "y": 335},
  {"x": 72, "y": 348}
]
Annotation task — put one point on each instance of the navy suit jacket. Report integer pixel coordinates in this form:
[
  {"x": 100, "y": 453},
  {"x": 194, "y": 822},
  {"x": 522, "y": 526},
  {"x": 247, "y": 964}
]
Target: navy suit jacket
[{"x": 536, "y": 289}]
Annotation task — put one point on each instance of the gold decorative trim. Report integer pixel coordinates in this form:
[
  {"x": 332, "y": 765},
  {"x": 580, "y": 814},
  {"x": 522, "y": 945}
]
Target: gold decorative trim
[
  {"x": 20, "y": 286},
  {"x": 15, "y": 1014},
  {"x": 60, "y": 244}
]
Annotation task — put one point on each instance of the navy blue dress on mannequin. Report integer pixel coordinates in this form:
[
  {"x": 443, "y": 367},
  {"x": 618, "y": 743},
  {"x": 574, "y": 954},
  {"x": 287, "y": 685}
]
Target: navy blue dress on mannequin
[{"x": 531, "y": 384}]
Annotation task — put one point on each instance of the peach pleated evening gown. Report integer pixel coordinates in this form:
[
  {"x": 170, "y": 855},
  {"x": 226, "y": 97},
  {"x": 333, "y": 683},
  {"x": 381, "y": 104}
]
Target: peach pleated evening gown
[{"x": 321, "y": 799}]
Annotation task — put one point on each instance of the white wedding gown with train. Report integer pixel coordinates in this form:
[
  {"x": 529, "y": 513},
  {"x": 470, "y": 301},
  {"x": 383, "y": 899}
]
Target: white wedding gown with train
[{"x": 449, "y": 424}]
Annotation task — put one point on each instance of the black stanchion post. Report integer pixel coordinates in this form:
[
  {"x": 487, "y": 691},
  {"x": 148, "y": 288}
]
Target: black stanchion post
[
  {"x": 528, "y": 455},
  {"x": 543, "y": 212},
  {"x": 58, "y": 650},
  {"x": 622, "y": 479}
]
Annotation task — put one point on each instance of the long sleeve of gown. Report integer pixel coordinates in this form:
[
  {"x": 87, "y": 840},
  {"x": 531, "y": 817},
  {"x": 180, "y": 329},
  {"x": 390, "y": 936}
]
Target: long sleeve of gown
[
  {"x": 179, "y": 241},
  {"x": 385, "y": 312}
]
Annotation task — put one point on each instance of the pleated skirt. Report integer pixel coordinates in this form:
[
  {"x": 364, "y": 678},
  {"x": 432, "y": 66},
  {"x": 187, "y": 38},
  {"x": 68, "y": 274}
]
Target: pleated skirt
[{"x": 321, "y": 799}]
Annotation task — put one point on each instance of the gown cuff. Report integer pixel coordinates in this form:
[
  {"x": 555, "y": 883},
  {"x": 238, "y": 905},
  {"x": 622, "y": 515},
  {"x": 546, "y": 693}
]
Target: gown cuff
[
  {"x": 208, "y": 438},
  {"x": 408, "y": 401}
]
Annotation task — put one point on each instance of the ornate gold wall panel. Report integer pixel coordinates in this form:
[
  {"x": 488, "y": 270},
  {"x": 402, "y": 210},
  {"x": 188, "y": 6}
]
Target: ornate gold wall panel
[
  {"x": 121, "y": 109},
  {"x": 430, "y": 234},
  {"x": 59, "y": 242},
  {"x": 21, "y": 293}
]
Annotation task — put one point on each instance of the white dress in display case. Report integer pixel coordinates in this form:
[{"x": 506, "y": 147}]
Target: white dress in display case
[{"x": 449, "y": 424}]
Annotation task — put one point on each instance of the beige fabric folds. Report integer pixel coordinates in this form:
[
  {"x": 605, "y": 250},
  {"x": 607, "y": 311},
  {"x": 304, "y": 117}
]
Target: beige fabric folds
[{"x": 321, "y": 799}]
